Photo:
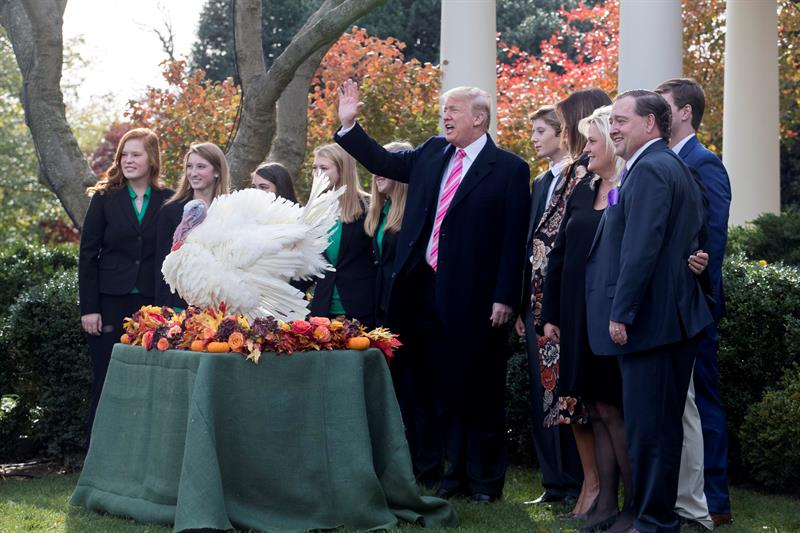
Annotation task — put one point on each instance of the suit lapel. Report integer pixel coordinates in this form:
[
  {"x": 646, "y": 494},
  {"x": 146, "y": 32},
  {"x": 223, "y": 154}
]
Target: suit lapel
[
  {"x": 435, "y": 182},
  {"x": 153, "y": 206},
  {"x": 124, "y": 205},
  {"x": 481, "y": 168}
]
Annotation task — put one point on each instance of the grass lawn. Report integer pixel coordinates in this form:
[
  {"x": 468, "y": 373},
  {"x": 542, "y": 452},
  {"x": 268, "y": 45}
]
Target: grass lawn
[{"x": 33, "y": 505}]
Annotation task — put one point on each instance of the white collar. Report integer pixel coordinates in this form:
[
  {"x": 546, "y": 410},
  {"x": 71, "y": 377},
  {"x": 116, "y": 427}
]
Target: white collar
[
  {"x": 678, "y": 147},
  {"x": 557, "y": 167},
  {"x": 629, "y": 163},
  {"x": 473, "y": 149}
]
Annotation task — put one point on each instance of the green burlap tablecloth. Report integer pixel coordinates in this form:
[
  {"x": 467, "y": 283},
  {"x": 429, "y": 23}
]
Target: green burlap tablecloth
[{"x": 312, "y": 440}]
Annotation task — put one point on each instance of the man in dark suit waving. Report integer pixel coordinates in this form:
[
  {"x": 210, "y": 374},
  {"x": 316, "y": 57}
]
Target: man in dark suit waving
[
  {"x": 456, "y": 279},
  {"x": 643, "y": 304}
]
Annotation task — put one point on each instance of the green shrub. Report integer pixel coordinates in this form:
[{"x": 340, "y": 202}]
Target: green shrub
[
  {"x": 15, "y": 427},
  {"x": 770, "y": 237},
  {"x": 42, "y": 337},
  {"x": 518, "y": 410},
  {"x": 25, "y": 265},
  {"x": 759, "y": 337},
  {"x": 770, "y": 434}
]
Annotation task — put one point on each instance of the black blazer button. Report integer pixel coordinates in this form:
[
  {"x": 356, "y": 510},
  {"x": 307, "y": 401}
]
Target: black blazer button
[
  {"x": 376, "y": 262},
  {"x": 137, "y": 262},
  {"x": 394, "y": 275}
]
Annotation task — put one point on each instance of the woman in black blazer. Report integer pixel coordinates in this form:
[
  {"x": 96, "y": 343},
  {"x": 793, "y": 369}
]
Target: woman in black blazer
[
  {"x": 117, "y": 251},
  {"x": 384, "y": 218},
  {"x": 205, "y": 176},
  {"x": 350, "y": 290}
]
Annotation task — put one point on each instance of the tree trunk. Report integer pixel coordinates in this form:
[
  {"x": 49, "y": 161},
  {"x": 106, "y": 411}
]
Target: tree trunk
[
  {"x": 289, "y": 146},
  {"x": 261, "y": 88},
  {"x": 34, "y": 28}
]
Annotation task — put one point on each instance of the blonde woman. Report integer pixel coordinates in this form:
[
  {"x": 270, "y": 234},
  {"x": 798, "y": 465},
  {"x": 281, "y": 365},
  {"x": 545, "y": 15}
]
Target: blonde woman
[
  {"x": 587, "y": 380},
  {"x": 205, "y": 176},
  {"x": 384, "y": 218},
  {"x": 350, "y": 289}
]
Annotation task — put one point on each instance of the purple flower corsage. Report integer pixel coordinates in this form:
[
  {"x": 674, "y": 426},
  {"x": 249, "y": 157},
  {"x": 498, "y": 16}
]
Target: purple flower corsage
[{"x": 613, "y": 197}]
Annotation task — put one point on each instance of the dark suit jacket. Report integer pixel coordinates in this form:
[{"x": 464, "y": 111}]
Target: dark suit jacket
[
  {"x": 715, "y": 179},
  {"x": 384, "y": 262},
  {"x": 168, "y": 219},
  {"x": 481, "y": 241},
  {"x": 354, "y": 276},
  {"x": 636, "y": 272},
  {"x": 117, "y": 254}
]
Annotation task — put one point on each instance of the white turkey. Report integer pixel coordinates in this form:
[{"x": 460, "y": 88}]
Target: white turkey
[{"x": 246, "y": 247}]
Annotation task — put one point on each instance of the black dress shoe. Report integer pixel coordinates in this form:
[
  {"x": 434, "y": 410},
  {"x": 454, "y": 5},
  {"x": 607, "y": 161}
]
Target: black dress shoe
[
  {"x": 446, "y": 493},
  {"x": 546, "y": 497},
  {"x": 481, "y": 498}
]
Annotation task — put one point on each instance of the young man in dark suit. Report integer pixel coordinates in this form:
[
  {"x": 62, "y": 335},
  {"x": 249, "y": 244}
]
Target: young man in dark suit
[
  {"x": 687, "y": 103},
  {"x": 554, "y": 446},
  {"x": 643, "y": 303},
  {"x": 455, "y": 283}
]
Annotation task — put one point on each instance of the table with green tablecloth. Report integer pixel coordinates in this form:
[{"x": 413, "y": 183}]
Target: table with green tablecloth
[{"x": 309, "y": 441}]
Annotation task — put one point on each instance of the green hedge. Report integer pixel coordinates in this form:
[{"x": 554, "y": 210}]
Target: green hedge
[
  {"x": 42, "y": 338},
  {"x": 25, "y": 265},
  {"x": 770, "y": 237},
  {"x": 518, "y": 410},
  {"x": 759, "y": 339},
  {"x": 770, "y": 434}
]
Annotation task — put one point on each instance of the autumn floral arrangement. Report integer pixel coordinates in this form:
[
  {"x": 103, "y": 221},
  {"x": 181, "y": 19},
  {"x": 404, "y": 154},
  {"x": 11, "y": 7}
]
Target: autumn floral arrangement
[{"x": 216, "y": 330}]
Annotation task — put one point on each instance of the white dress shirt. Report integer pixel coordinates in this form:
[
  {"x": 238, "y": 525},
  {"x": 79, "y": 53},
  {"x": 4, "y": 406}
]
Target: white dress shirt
[{"x": 472, "y": 152}]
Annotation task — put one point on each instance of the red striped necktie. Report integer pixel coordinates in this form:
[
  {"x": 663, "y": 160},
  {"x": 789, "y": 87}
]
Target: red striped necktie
[{"x": 450, "y": 187}]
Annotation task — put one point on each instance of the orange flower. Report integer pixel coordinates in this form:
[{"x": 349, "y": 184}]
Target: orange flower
[
  {"x": 236, "y": 340},
  {"x": 162, "y": 344},
  {"x": 337, "y": 325},
  {"x": 320, "y": 321},
  {"x": 322, "y": 334}
]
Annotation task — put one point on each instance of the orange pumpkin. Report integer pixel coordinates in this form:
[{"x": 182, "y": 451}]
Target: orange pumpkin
[
  {"x": 358, "y": 343},
  {"x": 198, "y": 346},
  {"x": 124, "y": 339},
  {"x": 218, "y": 347}
]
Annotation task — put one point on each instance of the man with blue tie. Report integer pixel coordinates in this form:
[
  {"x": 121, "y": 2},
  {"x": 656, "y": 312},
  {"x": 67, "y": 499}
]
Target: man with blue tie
[
  {"x": 555, "y": 448},
  {"x": 455, "y": 283},
  {"x": 643, "y": 304},
  {"x": 687, "y": 102}
]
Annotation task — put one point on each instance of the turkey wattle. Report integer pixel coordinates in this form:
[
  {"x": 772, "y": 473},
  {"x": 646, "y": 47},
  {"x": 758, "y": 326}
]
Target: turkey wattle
[{"x": 246, "y": 247}]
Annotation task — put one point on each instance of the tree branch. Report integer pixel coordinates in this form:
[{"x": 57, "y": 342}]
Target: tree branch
[
  {"x": 261, "y": 89},
  {"x": 35, "y": 30}
]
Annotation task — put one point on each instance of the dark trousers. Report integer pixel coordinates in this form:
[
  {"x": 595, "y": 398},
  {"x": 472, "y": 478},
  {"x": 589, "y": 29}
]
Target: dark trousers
[
  {"x": 456, "y": 433},
  {"x": 555, "y": 447},
  {"x": 654, "y": 388},
  {"x": 114, "y": 310},
  {"x": 712, "y": 419}
]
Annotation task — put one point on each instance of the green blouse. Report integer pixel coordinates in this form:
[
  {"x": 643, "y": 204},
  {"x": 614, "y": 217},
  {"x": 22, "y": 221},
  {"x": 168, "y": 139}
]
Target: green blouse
[
  {"x": 382, "y": 225},
  {"x": 332, "y": 253},
  {"x": 139, "y": 212}
]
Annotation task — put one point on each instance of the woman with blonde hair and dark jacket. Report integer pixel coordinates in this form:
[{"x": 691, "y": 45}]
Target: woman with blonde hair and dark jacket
[
  {"x": 205, "y": 176},
  {"x": 350, "y": 289}
]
